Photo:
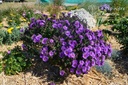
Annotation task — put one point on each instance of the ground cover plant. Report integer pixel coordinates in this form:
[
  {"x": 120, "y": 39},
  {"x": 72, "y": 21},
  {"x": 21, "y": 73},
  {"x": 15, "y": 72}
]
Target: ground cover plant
[
  {"x": 121, "y": 28},
  {"x": 15, "y": 61}
]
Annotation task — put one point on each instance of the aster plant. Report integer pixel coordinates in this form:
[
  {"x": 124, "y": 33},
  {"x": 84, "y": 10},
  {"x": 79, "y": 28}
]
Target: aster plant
[
  {"x": 105, "y": 7},
  {"x": 66, "y": 43}
]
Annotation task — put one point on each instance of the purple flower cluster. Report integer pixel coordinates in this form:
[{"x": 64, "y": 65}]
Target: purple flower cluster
[
  {"x": 105, "y": 7},
  {"x": 69, "y": 44},
  {"x": 36, "y": 23},
  {"x": 45, "y": 54}
]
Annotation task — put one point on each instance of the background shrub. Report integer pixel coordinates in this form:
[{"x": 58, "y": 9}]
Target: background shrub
[
  {"x": 120, "y": 7},
  {"x": 15, "y": 61},
  {"x": 122, "y": 36}
]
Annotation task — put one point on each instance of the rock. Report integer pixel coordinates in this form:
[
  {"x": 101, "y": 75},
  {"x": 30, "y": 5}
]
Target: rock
[{"x": 84, "y": 16}]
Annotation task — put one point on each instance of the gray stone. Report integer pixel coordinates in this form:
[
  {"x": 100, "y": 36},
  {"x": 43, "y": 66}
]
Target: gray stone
[{"x": 84, "y": 16}]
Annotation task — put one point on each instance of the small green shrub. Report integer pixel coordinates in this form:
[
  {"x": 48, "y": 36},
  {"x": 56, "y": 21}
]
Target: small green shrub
[
  {"x": 15, "y": 61},
  {"x": 120, "y": 7},
  {"x": 122, "y": 36},
  {"x": 9, "y": 36},
  {"x": 112, "y": 19}
]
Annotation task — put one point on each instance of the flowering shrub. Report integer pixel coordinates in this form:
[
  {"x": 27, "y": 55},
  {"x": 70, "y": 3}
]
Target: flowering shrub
[
  {"x": 105, "y": 7},
  {"x": 66, "y": 43}
]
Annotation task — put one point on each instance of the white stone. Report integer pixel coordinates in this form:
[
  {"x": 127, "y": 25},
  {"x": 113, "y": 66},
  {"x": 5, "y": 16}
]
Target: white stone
[{"x": 84, "y": 16}]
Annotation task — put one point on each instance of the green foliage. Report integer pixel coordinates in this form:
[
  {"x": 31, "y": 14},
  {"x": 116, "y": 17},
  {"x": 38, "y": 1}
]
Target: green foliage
[
  {"x": 122, "y": 36},
  {"x": 15, "y": 61},
  {"x": 120, "y": 7},
  {"x": 112, "y": 19},
  {"x": 58, "y": 2},
  {"x": 1, "y": 67},
  {"x": 9, "y": 38}
]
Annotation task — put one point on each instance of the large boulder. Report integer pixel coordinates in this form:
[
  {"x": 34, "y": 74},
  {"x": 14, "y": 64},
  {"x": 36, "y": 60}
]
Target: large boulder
[{"x": 84, "y": 16}]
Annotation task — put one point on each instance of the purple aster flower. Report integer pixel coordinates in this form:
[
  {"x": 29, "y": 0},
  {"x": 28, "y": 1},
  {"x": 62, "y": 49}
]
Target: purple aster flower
[
  {"x": 81, "y": 62},
  {"x": 62, "y": 73},
  {"x": 99, "y": 33},
  {"x": 32, "y": 19},
  {"x": 55, "y": 25},
  {"x": 74, "y": 63},
  {"x": 41, "y": 24},
  {"x": 52, "y": 83},
  {"x": 41, "y": 56},
  {"x": 85, "y": 55},
  {"x": 85, "y": 49},
  {"x": 92, "y": 54},
  {"x": 63, "y": 48},
  {"x": 72, "y": 55},
  {"x": 45, "y": 58},
  {"x": 33, "y": 36},
  {"x": 61, "y": 55},
  {"x": 90, "y": 47},
  {"x": 37, "y": 38},
  {"x": 8, "y": 51},
  {"x": 38, "y": 21},
  {"x": 54, "y": 21},
  {"x": 24, "y": 47},
  {"x": 81, "y": 29},
  {"x": 93, "y": 62},
  {"x": 78, "y": 72},
  {"x": 89, "y": 37},
  {"x": 68, "y": 51},
  {"x": 44, "y": 40},
  {"x": 72, "y": 70},
  {"x": 61, "y": 39},
  {"x": 59, "y": 25},
  {"x": 79, "y": 66},
  {"x": 103, "y": 58},
  {"x": 65, "y": 27},
  {"x": 88, "y": 68},
  {"x": 72, "y": 43},
  {"x": 67, "y": 22},
  {"x": 67, "y": 33},
  {"x": 92, "y": 42},
  {"x": 51, "y": 53},
  {"x": 102, "y": 8},
  {"x": 51, "y": 41},
  {"x": 84, "y": 69},
  {"x": 44, "y": 48},
  {"x": 77, "y": 24},
  {"x": 31, "y": 25},
  {"x": 22, "y": 30},
  {"x": 87, "y": 63},
  {"x": 64, "y": 43},
  {"x": 81, "y": 37}
]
